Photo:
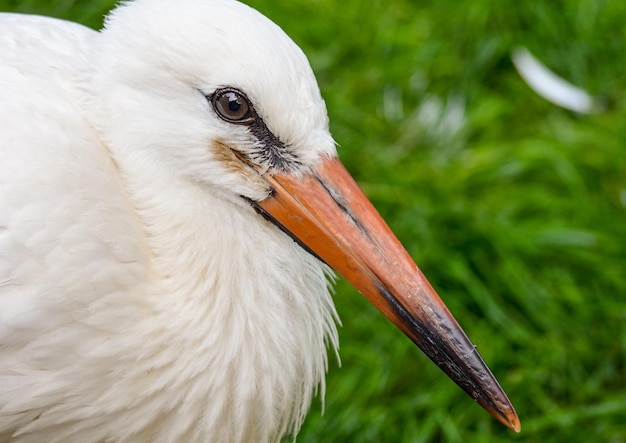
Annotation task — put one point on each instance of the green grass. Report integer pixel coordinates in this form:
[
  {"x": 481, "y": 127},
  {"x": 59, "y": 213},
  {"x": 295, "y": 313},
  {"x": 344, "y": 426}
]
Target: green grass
[{"x": 517, "y": 214}]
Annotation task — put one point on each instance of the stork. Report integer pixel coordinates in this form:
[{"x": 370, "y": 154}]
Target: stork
[{"x": 171, "y": 207}]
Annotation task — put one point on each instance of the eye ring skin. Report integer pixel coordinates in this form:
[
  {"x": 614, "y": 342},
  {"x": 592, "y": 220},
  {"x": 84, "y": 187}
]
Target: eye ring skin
[{"x": 233, "y": 106}]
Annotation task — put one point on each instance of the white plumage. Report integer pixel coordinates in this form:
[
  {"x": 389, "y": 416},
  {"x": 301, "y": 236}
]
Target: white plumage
[{"x": 141, "y": 297}]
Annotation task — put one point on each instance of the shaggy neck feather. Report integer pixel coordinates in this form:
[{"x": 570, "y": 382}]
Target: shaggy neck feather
[{"x": 242, "y": 317}]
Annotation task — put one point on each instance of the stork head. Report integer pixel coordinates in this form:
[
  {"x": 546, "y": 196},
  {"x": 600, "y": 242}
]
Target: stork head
[{"x": 229, "y": 103}]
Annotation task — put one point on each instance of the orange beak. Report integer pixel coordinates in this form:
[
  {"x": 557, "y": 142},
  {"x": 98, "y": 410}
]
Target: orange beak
[{"x": 328, "y": 215}]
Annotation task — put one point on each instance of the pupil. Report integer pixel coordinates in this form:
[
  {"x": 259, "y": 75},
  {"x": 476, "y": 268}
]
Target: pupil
[{"x": 234, "y": 105}]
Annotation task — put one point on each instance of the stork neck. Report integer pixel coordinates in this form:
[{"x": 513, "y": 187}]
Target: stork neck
[{"x": 238, "y": 301}]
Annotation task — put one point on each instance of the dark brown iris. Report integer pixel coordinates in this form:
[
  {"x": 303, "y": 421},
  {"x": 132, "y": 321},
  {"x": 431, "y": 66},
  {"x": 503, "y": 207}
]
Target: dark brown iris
[{"x": 232, "y": 106}]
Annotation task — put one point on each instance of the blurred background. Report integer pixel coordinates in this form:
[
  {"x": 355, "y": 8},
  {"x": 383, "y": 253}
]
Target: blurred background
[{"x": 514, "y": 208}]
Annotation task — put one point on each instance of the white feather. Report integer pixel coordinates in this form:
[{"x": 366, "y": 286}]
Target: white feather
[{"x": 550, "y": 86}]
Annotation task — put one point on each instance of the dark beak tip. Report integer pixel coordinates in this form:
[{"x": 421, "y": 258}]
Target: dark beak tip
[
  {"x": 513, "y": 422},
  {"x": 500, "y": 407},
  {"x": 505, "y": 413},
  {"x": 517, "y": 427}
]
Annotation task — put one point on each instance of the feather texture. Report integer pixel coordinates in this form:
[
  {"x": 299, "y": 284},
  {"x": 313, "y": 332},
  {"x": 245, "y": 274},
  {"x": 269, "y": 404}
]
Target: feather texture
[{"x": 141, "y": 299}]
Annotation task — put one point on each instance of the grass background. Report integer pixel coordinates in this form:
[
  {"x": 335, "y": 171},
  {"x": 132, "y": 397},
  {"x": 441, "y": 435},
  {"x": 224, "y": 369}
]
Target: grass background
[{"x": 515, "y": 209}]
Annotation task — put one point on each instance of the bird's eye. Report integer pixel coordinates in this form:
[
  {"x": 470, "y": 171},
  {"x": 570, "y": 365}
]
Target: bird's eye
[{"x": 232, "y": 106}]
